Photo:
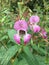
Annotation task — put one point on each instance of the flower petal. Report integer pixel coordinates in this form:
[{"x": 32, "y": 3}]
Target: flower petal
[
  {"x": 44, "y": 33},
  {"x": 36, "y": 28},
  {"x": 21, "y": 25},
  {"x": 34, "y": 19},
  {"x": 17, "y": 38},
  {"x": 27, "y": 38}
]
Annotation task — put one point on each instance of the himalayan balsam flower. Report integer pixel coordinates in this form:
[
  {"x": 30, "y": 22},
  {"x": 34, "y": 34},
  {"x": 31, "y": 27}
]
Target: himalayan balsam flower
[
  {"x": 36, "y": 28},
  {"x": 33, "y": 23},
  {"x": 21, "y": 27},
  {"x": 17, "y": 38},
  {"x": 27, "y": 38},
  {"x": 34, "y": 19},
  {"x": 44, "y": 33}
]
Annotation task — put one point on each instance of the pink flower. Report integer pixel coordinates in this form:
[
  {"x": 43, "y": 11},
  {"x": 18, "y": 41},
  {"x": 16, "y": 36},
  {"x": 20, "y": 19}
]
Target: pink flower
[
  {"x": 25, "y": 37},
  {"x": 34, "y": 19},
  {"x": 21, "y": 25},
  {"x": 44, "y": 33},
  {"x": 17, "y": 38},
  {"x": 36, "y": 28}
]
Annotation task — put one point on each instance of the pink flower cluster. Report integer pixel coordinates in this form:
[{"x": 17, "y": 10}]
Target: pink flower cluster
[
  {"x": 21, "y": 26},
  {"x": 33, "y": 23}
]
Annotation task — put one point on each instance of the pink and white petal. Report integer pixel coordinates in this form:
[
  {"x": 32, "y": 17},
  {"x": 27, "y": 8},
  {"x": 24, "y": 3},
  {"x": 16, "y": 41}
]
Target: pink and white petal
[
  {"x": 16, "y": 25},
  {"x": 21, "y": 25},
  {"x": 17, "y": 38},
  {"x": 34, "y": 19},
  {"x": 27, "y": 38},
  {"x": 36, "y": 28},
  {"x": 44, "y": 33},
  {"x": 24, "y": 25}
]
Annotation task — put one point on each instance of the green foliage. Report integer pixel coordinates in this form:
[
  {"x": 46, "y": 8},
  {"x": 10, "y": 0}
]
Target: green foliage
[
  {"x": 30, "y": 57},
  {"x": 11, "y": 34},
  {"x": 9, "y": 54}
]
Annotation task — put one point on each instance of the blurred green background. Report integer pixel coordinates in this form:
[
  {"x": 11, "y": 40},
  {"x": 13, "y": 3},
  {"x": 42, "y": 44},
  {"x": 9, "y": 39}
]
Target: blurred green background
[{"x": 13, "y": 10}]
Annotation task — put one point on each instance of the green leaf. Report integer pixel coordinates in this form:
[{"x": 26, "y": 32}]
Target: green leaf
[
  {"x": 20, "y": 61},
  {"x": 15, "y": 61},
  {"x": 11, "y": 33},
  {"x": 38, "y": 49},
  {"x": 3, "y": 19},
  {"x": 9, "y": 54},
  {"x": 4, "y": 37},
  {"x": 23, "y": 62},
  {"x": 42, "y": 62},
  {"x": 31, "y": 59},
  {"x": 2, "y": 52}
]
